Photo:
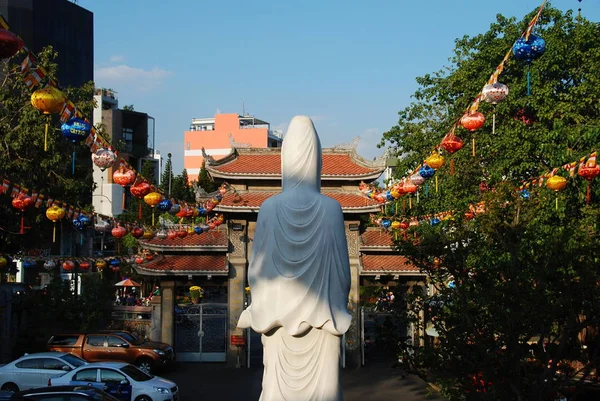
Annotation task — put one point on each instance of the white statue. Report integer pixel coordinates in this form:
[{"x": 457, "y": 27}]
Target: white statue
[{"x": 299, "y": 275}]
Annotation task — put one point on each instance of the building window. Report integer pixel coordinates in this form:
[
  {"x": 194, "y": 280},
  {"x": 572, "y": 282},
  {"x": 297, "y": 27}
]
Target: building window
[{"x": 127, "y": 136}]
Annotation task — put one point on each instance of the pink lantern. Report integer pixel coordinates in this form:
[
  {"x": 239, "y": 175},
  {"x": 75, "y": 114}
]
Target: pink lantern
[
  {"x": 104, "y": 158},
  {"x": 494, "y": 93}
]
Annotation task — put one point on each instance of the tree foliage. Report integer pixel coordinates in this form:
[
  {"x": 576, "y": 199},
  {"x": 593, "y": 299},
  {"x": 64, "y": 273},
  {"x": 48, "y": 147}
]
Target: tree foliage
[
  {"x": 23, "y": 160},
  {"x": 524, "y": 273}
]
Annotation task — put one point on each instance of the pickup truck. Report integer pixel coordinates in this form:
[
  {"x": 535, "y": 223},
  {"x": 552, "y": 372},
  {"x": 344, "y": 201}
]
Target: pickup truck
[{"x": 114, "y": 346}]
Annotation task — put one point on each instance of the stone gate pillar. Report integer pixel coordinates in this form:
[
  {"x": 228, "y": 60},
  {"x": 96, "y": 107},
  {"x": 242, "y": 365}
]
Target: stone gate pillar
[
  {"x": 353, "y": 335},
  {"x": 238, "y": 262},
  {"x": 167, "y": 326}
]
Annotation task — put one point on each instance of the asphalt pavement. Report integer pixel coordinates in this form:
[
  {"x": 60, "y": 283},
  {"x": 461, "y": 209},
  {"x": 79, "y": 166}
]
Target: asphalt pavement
[{"x": 377, "y": 381}]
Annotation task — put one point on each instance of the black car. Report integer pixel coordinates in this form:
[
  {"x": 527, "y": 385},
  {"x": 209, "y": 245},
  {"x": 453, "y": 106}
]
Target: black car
[{"x": 63, "y": 393}]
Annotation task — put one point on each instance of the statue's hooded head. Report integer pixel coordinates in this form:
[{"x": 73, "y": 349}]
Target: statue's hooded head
[{"x": 301, "y": 156}]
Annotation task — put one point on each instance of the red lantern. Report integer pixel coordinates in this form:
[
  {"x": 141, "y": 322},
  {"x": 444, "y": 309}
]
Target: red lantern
[
  {"x": 404, "y": 225},
  {"x": 182, "y": 233},
  {"x": 10, "y": 44},
  {"x": 409, "y": 187},
  {"x": 139, "y": 190},
  {"x": 589, "y": 170},
  {"x": 451, "y": 143},
  {"x": 119, "y": 231},
  {"x": 139, "y": 260},
  {"x": 68, "y": 265},
  {"x": 84, "y": 265},
  {"x": 22, "y": 202},
  {"x": 472, "y": 121},
  {"x": 172, "y": 235},
  {"x": 124, "y": 176},
  {"x": 137, "y": 232},
  {"x": 149, "y": 257}
]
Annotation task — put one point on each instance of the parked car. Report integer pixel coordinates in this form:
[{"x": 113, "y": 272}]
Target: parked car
[
  {"x": 34, "y": 370},
  {"x": 63, "y": 393},
  {"x": 113, "y": 346},
  {"x": 121, "y": 380}
]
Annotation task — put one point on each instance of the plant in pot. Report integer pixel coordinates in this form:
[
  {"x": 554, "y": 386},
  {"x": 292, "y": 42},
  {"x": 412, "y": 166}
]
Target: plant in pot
[{"x": 195, "y": 293}]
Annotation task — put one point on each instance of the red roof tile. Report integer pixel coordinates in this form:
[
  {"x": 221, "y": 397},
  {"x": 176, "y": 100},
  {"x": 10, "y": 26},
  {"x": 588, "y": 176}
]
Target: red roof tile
[
  {"x": 386, "y": 264},
  {"x": 348, "y": 200},
  {"x": 210, "y": 238},
  {"x": 269, "y": 163},
  {"x": 377, "y": 238},
  {"x": 187, "y": 264}
]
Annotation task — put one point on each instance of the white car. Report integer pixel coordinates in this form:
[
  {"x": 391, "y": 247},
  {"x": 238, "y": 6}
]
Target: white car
[
  {"x": 34, "y": 370},
  {"x": 121, "y": 380}
]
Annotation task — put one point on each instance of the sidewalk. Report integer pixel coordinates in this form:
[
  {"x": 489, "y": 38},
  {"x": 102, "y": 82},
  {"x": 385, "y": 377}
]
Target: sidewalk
[{"x": 375, "y": 382}]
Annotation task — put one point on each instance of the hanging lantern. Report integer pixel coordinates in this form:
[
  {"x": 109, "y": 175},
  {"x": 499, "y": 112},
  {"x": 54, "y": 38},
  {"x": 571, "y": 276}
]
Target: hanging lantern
[
  {"x": 123, "y": 176},
  {"x": 198, "y": 230},
  {"x": 101, "y": 264},
  {"x": 435, "y": 221},
  {"x": 102, "y": 226},
  {"x": 104, "y": 158},
  {"x": 529, "y": 49},
  {"x": 119, "y": 231},
  {"x": 395, "y": 225},
  {"x": 409, "y": 187},
  {"x": 426, "y": 171},
  {"x": 139, "y": 260},
  {"x": 494, "y": 93},
  {"x": 115, "y": 265},
  {"x": 182, "y": 212},
  {"x": 451, "y": 143},
  {"x": 55, "y": 213},
  {"x": 182, "y": 233},
  {"x": 149, "y": 257},
  {"x": 75, "y": 129},
  {"x": 22, "y": 202},
  {"x": 68, "y": 265},
  {"x": 165, "y": 205},
  {"x": 85, "y": 221},
  {"x": 137, "y": 232},
  {"x": 10, "y": 43},
  {"x": 435, "y": 161},
  {"x": 3, "y": 262},
  {"x": 154, "y": 199},
  {"x": 139, "y": 190},
  {"x": 49, "y": 264},
  {"x": 48, "y": 100},
  {"x": 161, "y": 234},
  {"x": 472, "y": 121},
  {"x": 85, "y": 265},
  {"x": 589, "y": 170},
  {"x": 556, "y": 183},
  {"x": 174, "y": 209},
  {"x": 148, "y": 234},
  {"x": 172, "y": 234}
]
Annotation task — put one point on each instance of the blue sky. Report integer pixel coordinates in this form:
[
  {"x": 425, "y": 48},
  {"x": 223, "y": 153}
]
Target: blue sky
[{"x": 350, "y": 65}]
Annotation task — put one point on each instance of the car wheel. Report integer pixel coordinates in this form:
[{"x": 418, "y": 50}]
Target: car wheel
[
  {"x": 145, "y": 364},
  {"x": 143, "y": 398},
  {"x": 10, "y": 387}
]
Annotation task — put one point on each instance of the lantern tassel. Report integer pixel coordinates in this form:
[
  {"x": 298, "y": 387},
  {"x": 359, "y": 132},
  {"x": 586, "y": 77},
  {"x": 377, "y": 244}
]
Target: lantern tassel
[
  {"x": 436, "y": 184},
  {"x": 46, "y": 135},
  {"x": 451, "y": 166},
  {"x": 556, "y": 202},
  {"x": 54, "y": 233},
  {"x": 123, "y": 200},
  {"x": 588, "y": 193},
  {"x": 152, "y": 217},
  {"x": 410, "y": 202},
  {"x": 494, "y": 122},
  {"x": 417, "y": 197},
  {"x": 473, "y": 145},
  {"x": 73, "y": 163}
]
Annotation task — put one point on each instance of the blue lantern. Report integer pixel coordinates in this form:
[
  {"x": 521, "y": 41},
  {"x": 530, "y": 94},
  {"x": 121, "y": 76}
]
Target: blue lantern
[
  {"x": 201, "y": 210},
  {"x": 529, "y": 50},
  {"x": 524, "y": 194},
  {"x": 78, "y": 224},
  {"x": 386, "y": 223},
  {"x": 84, "y": 220},
  {"x": 435, "y": 221},
  {"x": 164, "y": 205},
  {"x": 426, "y": 172},
  {"x": 174, "y": 209},
  {"x": 205, "y": 227},
  {"x": 75, "y": 130},
  {"x": 198, "y": 230},
  {"x": 218, "y": 197},
  {"x": 388, "y": 196}
]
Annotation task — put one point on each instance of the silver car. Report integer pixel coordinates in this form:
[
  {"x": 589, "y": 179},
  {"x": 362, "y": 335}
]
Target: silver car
[{"x": 34, "y": 370}]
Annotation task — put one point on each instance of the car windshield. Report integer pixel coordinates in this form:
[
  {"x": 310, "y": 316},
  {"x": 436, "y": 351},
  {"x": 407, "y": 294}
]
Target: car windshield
[
  {"x": 130, "y": 338},
  {"x": 73, "y": 360},
  {"x": 135, "y": 373}
]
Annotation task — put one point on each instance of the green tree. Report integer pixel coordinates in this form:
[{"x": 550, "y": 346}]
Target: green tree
[
  {"x": 23, "y": 160},
  {"x": 166, "y": 179},
  {"x": 524, "y": 271},
  {"x": 205, "y": 181},
  {"x": 181, "y": 189},
  {"x": 128, "y": 107}
]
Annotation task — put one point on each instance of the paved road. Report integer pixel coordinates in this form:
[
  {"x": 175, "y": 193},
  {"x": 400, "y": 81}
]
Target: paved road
[{"x": 374, "y": 382}]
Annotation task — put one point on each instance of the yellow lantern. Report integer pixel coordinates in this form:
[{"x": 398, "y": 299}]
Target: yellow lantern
[
  {"x": 153, "y": 199},
  {"x": 101, "y": 264},
  {"x": 148, "y": 234},
  {"x": 435, "y": 161},
  {"x": 395, "y": 225},
  {"x": 556, "y": 182},
  {"x": 48, "y": 100},
  {"x": 55, "y": 213}
]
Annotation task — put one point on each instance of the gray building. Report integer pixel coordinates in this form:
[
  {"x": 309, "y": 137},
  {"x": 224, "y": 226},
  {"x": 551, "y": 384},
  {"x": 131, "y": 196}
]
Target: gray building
[{"x": 64, "y": 25}]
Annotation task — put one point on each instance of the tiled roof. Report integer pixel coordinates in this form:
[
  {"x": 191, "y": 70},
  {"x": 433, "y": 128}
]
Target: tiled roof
[
  {"x": 387, "y": 264},
  {"x": 212, "y": 238},
  {"x": 266, "y": 163},
  {"x": 376, "y": 238},
  {"x": 350, "y": 201},
  {"x": 186, "y": 264}
]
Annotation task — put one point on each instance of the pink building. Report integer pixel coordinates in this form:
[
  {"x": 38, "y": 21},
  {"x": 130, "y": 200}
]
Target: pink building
[{"x": 219, "y": 134}]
